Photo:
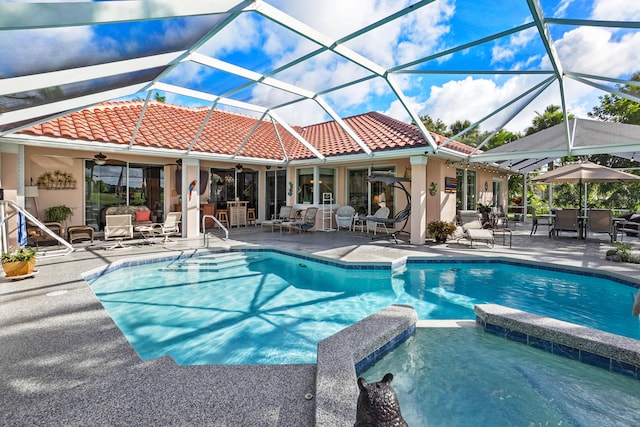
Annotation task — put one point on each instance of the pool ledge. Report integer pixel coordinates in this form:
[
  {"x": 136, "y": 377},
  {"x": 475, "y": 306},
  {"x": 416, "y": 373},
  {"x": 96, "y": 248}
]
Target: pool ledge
[
  {"x": 602, "y": 349},
  {"x": 342, "y": 355}
]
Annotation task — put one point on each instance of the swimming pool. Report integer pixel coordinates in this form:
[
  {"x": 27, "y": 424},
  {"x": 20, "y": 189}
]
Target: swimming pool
[
  {"x": 269, "y": 307},
  {"x": 458, "y": 377}
]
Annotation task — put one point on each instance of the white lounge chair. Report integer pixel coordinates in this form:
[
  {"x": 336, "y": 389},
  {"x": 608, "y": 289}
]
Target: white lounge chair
[{"x": 473, "y": 230}]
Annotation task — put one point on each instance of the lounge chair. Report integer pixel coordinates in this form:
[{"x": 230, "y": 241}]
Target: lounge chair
[
  {"x": 467, "y": 216},
  {"x": 601, "y": 221},
  {"x": 566, "y": 220},
  {"x": 473, "y": 230},
  {"x": 283, "y": 215},
  {"x": 344, "y": 217},
  {"x": 378, "y": 219},
  {"x": 170, "y": 226},
  {"x": 305, "y": 223}
]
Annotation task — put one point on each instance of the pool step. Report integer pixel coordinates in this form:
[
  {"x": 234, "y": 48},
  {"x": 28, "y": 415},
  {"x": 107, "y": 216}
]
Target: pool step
[{"x": 216, "y": 263}]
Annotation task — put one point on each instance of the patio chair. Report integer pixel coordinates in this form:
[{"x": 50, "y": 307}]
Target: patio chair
[
  {"x": 305, "y": 223},
  {"x": 283, "y": 215},
  {"x": 344, "y": 217},
  {"x": 377, "y": 220},
  {"x": 473, "y": 230},
  {"x": 118, "y": 226},
  {"x": 601, "y": 221},
  {"x": 566, "y": 220},
  {"x": 536, "y": 220},
  {"x": 170, "y": 226}
]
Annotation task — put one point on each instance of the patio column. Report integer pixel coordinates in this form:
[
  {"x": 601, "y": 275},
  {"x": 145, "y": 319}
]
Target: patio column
[
  {"x": 190, "y": 202},
  {"x": 418, "y": 199}
]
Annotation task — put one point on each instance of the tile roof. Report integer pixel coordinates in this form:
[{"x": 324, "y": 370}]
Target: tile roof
[{"x": 174, "y": 127}]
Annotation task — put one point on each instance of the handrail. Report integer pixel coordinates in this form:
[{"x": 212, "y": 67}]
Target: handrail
[
  {"x": 35, "y": 221},
  {"x": 204, "y": 232}
]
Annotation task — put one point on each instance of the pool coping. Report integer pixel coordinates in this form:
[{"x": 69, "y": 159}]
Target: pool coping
[
  {"x": 343, "y": 355},
  {"x": 592, "y": 346}
]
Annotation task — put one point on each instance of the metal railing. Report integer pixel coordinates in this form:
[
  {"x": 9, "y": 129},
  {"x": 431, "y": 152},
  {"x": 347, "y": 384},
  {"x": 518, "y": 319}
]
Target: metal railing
[
  {"x": 207, "y": 235},
  {"x": 15, "y": 210}
]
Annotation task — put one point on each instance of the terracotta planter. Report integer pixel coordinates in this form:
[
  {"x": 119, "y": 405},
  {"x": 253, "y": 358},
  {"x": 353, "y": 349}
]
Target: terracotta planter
[{"x": 18, "y": 268}]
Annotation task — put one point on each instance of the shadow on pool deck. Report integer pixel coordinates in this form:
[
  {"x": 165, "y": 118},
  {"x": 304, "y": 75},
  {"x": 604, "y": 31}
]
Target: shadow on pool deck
[{"x": 64, "y": 362}]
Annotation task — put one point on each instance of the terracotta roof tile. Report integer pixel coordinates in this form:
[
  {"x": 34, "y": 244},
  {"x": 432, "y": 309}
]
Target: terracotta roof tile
[{"x": 175, "y": 127}]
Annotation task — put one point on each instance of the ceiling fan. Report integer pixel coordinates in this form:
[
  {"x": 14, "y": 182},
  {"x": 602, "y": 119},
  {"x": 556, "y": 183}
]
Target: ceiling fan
[{"x": 100, "y": 159}]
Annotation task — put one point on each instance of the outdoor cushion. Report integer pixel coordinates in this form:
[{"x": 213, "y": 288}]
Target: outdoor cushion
[
  {"x": 143, "y": 216},
  {"x": 473, "y": 225}
]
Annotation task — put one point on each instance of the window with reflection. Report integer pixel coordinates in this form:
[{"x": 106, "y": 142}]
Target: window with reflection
[
  {"x": 466, "y": 196},
  {"x": 305, "y": 182},
  {"x": 122, "y": 184},
  {"x": 365, "y": 197}
]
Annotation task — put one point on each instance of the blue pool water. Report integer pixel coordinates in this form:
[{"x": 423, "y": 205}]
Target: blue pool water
[
  {"x": 462, "y": 377},
  {"x": 272, "y": 308}
]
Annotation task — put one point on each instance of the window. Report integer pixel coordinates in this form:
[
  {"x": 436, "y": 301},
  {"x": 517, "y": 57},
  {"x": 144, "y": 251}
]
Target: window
[
  {"x": 304, "y": 192},
  {"x": 366, "y": 197},
  {"x": 326, "y": 183},
  {"x": 122, "y": 184},
  {"x": 466, "y": 191},
  {"x": 231, "y": 184},
  {"x": 497, "y": 194}
]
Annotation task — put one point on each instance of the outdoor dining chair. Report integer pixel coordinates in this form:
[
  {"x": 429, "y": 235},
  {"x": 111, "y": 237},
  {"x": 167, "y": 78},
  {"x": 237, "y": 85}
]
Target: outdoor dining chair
[
  {"x": 566, "y": 220},
  {"x": 601, "y": 221}
]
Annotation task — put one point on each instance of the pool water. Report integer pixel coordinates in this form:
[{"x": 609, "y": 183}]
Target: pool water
[
  {"x": 461, "y": 377},
  {"x": 273, "y": 308}
]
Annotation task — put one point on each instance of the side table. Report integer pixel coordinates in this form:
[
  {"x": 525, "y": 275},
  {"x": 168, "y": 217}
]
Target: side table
[{"x": 504, "y": 232}]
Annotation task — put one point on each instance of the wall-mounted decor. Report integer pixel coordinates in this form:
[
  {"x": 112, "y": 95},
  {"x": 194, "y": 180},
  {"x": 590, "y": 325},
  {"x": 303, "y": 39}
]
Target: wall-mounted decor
[
  {"x": 57, "y": 180},
  {"x": 450, "y": 185},
  {"x": 433, "y": 188}
]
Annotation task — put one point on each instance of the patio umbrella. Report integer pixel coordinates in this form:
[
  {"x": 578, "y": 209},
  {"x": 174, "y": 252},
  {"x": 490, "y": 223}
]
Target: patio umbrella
[{"x": 585, "y": 172}]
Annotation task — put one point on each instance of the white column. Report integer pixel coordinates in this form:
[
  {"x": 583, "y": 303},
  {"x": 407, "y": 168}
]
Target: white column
[
  {"x": 418, "y": 199},
  {"x": 190, "y": 203}
]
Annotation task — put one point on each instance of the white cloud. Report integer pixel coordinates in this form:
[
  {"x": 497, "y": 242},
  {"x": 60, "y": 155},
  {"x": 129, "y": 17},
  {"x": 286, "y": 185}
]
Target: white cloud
[
  {"x": 616, "y": 10},
  {"x": 593, "y": 51}
]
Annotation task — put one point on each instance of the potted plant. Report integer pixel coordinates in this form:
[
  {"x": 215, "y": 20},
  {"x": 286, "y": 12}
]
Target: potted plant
[
  {"x": 57, "y": 213},
  {"x": 440, "y": 230},
  {"x": 20, "y": 262}
]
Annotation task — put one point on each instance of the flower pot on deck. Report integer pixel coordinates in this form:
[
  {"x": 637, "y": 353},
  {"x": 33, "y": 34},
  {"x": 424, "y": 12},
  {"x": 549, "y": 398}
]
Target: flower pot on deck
[{"x": 18, "y": 268}]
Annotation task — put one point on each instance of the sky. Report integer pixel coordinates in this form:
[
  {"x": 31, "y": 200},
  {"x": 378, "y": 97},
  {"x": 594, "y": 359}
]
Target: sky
[
  {"x": 441, "y": 25},
  {"x": 457, "y": 86}
]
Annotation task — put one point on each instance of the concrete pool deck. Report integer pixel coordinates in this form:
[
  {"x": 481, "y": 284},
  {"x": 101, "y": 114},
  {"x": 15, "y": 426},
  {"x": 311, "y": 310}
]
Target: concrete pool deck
[{"x": 64, "y": 362}]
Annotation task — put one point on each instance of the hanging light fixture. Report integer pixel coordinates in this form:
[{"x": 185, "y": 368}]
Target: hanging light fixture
[
  {"x": 100, "y": 159},
  {"x": 239, "y": 167}
]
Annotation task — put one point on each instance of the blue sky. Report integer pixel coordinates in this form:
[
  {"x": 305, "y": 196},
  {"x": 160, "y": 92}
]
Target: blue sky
[
  {"x": 436, "y": 27},
  {"x": 258, "y": 44}
]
